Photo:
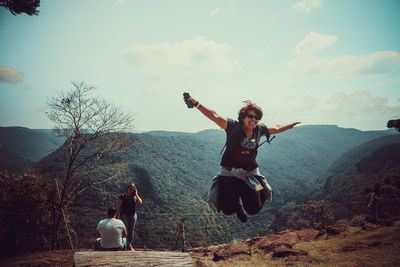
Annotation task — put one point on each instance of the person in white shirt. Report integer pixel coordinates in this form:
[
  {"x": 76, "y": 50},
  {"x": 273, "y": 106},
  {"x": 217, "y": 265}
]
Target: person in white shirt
[{"x": 111, "y": 233}]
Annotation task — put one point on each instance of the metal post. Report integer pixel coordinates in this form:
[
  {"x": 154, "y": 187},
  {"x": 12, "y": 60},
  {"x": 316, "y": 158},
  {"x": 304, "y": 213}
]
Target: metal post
[
  {"x": 276, "y": 220},
  {"x": 183, "y": 235}
]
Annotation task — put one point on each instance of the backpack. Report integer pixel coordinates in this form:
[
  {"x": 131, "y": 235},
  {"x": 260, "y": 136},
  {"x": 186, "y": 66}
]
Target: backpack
[{"x": 258, "y": 137}]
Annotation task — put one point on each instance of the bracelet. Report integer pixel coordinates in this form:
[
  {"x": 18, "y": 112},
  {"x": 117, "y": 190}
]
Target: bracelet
[{"x": 197, "y": 104}]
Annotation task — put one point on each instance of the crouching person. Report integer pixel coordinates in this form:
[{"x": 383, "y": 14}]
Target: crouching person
[{"x": 111, "y": 233}]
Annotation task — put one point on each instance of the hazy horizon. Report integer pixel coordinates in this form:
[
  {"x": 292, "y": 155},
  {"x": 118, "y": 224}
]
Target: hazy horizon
[{"x": 160, "y": 130}]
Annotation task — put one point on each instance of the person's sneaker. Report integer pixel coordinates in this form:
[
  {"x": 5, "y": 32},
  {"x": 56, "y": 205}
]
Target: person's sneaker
[{"x": 240, "y": 213}]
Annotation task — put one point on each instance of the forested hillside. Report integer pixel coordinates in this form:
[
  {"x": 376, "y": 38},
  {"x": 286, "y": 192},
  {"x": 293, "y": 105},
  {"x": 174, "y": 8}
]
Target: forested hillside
[
  {"x": 173, "y": 173},
  {"x": 296, "y": 160},
  {"x": 12, "y": 162},
  {"x": 370, "y": 167},
  {"x": 354, "y": 155},
  {"x": 20, "y": 147}
]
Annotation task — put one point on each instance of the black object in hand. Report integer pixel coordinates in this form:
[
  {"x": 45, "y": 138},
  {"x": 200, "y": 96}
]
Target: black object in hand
[{"x": 187, "y": 101}]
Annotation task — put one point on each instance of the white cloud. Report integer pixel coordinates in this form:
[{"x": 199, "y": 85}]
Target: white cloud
[
  {"x": 214, "y": 12},
  {"x": 306, "y": 6},
  {"x": 377, "y": 63},
  {"x": 197, "y": 53},
  {"x": 314, "y": 42},
  {"x": 360, "y": 103},
  {"x": 8, "y": 75},
  {"x": 359, "y": 109},
  {"x": 387, "y": 81},
  {"x": 160, "y": 83},
  {"x": 308, "y": 103}
]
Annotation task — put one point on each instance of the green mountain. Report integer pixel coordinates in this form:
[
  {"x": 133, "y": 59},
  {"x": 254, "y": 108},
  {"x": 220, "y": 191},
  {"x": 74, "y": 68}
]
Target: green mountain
[
  {"x": 354, "y": 155},
  {"x": 296, "y": 160},
  {"x": 13, "y": 163},
  {"x": 20, "y": 147},
  {"x": 372, "y": 166},
  {"x": 173, "y": 172}
]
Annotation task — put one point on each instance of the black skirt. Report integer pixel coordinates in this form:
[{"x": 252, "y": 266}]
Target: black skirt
[{"x": 227, "y": 192}]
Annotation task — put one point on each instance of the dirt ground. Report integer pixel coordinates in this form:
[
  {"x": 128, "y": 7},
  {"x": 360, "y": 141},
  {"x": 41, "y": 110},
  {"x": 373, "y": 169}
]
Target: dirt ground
[
  {"x": 44, "y": 258},
  {"x": 336, "y": 246}
]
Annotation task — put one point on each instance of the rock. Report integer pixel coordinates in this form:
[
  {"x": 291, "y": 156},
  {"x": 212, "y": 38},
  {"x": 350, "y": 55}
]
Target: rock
[
  {"x": 336, "y": 229},
  {"x": 370, "y": 227},
  {"x": 231, "y": 250},
  {"x": 204, "y": 263},
  {"x": 283, "y": 239},
  {"x": 201, "y": 251},
  {"x": 292, "y": 260},
  {"x": 271, "y": 245},
  {"x": 363, "y": 244},
  {"x": 252, "y": 241},
  {"x": 356, "y": 246},
  {"x": 307, "y": 235},
  {"x": 289, "y": 237},
  {"x": 281, "y": 252},
  {"x": 322, "y": 235},
  {"x": 375, "y": 243},
  {"x": 286, "y": 237}
]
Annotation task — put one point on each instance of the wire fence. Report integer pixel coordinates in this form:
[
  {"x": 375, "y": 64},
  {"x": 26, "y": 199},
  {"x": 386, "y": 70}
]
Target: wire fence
[
  {"x": 167, "y": 227},
  {"x": 188, "y": 214}
]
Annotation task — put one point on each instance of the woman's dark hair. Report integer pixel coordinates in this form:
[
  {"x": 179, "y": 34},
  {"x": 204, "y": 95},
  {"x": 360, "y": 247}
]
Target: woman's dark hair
[
  {"x": 245, "y": 110},
  {"x": 131, "y": 185}
]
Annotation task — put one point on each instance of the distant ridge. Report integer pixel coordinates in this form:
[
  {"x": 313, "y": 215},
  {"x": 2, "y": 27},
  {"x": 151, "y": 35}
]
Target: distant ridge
[
  {"x": 25, "y": 146},
  {"x": 169, "y": 133},
  {"x": 166, "y": 133},
  {"x": 354, "y": 175},
  {"x": 354, "y": 155}
]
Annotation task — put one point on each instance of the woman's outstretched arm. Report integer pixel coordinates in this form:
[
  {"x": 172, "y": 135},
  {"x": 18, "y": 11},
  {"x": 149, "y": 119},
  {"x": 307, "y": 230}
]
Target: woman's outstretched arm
[
  {"x": 281, "y": 128},
  {"x": 211, "y": 114}
]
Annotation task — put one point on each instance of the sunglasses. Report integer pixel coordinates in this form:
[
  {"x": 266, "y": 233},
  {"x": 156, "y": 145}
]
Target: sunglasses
[{"x": 250, "y": 116}]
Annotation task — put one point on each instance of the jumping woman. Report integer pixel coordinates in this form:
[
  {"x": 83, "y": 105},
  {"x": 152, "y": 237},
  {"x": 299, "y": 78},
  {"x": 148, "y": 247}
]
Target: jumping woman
[{"x": 239, "y": 184}]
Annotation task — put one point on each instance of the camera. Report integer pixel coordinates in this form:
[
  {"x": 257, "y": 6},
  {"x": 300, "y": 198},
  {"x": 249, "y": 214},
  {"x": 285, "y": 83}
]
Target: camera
[{"x": 187, "y": 101}]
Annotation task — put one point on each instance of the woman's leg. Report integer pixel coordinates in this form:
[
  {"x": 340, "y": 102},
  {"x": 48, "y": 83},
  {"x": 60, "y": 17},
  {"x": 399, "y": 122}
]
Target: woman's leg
[
  {"x": 228, "y": 194},
  {"x": 134, "y": 220},
  {"x": 253, "y": 201},
  {"x": 128, "y": 221}
]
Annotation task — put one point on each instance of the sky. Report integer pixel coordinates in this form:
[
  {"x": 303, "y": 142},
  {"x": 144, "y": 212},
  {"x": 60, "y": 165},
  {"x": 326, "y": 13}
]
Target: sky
[{"x": 314, "y": 61}]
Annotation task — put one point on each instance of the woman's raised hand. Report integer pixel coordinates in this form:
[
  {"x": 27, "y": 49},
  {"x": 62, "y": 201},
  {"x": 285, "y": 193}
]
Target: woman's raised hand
[{"x": 189, "y": 101}]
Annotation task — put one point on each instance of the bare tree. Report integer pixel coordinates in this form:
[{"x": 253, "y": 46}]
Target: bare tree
[
  {"x": 394, "y": 124},
  {"x": 92, "y": 128},
  {"x": 315, "y": 214},
  {"x": 319, "y": 213},
  {"x": 21, "y": 6}
]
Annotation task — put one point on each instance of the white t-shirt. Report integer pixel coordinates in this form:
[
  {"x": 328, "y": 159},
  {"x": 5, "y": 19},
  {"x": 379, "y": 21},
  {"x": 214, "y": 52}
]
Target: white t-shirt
[{"x": 111, "y": 232}]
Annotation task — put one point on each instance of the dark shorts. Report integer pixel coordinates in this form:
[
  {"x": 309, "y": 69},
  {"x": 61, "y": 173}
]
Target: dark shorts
[
  {"x": 98, "y": 247},
  {"x": 229, "y": 192}
]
